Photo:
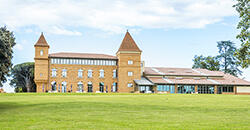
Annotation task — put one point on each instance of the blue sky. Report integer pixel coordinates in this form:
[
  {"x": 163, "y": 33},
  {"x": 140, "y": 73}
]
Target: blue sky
[{"x": 168, "y": 32}]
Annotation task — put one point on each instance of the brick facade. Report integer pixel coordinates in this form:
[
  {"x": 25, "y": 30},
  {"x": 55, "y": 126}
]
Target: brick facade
[{"x": 44, "y": 66}]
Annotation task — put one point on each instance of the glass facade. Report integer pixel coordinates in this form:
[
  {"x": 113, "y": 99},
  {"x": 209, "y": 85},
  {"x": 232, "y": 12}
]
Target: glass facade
[
  {"x": 186, "y": 89},
  {"x": 205, "y": 89},
  {"x": 225, "y": 89},
  {"x": 166, "y": 88}
]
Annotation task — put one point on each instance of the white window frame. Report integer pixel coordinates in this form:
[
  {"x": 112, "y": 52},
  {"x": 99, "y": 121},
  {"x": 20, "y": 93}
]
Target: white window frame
[
  {"x": 53, "y": 72},
  {"x": 101, "y": 73},
  {"x": 130, "y": 62},
  {"x": 130, "y": 85},
  {"x": 130, "y": 73},
  {"x": 114, "y": 74},
  {"x": 90, "y": 73},
  {"x": 80, "y": 73},
  {"x": 41, "y": 52},
  {"x": 64, "y": 73}
]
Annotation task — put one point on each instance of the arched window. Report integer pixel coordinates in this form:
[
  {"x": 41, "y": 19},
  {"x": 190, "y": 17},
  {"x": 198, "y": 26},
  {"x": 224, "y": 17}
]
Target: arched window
[
  {"x": 101, "y": 87},
  {"x": 41, "y": 52},
  {"x": 80, "y": 86},
  {"x": 53, "y": 86},
  {"x": 64, "y": 87},
  {"x": 90, "y": 87}
]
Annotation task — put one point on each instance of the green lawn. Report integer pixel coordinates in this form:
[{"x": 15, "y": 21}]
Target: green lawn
[{"x": 124, "y": 111}]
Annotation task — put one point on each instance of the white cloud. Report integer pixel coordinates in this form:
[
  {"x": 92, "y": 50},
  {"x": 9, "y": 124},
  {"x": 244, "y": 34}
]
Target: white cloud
[
  {"x": 62, "y": 31},
  {"x": 18, "y": 47},
  {"x": 112, "y": 16}
]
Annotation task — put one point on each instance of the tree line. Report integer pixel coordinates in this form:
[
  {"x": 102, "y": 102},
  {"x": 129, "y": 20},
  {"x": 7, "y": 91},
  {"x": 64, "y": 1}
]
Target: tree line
[{"x": 229, "y": 60}]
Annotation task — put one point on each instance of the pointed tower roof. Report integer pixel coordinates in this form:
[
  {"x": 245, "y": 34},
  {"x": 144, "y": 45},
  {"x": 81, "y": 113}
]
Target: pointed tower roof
[
  {"x": 41, "y": 41},
  {"x": 128, "y": 44}
]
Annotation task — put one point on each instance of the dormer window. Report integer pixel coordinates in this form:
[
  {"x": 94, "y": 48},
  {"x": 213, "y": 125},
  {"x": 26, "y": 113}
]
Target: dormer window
[{"x": 41, "y": 53}]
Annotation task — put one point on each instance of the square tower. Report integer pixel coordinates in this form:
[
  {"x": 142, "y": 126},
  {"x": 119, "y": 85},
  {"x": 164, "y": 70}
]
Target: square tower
[
  {"x": 41, "y": 64},
  {"x": 129, "y": 64}
]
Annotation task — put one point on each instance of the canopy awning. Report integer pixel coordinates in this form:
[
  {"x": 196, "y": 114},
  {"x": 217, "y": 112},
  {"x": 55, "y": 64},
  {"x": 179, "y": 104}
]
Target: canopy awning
[{"x": 143, "y": 81}]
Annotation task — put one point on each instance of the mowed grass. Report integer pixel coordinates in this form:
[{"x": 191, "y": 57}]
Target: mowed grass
[{"x": 124, "y": 111}]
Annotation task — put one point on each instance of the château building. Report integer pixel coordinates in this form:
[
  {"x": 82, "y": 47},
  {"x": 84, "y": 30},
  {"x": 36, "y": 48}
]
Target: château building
[{"x": 124, "y": 73}]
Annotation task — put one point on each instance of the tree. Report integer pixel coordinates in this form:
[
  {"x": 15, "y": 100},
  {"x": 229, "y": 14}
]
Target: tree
[
  {"x": 227, "y": 59},
  {"x": 23, "y": 77},
  {"x": 7, "y": 42},
  {"x": 210, "y": 63},
  {"x": 243, "y": 53}
]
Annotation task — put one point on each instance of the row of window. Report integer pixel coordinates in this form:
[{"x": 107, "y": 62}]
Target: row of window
[
  {"x": 202, "y": 89},
  {"x": 82, "y": 61},
  {"x": 226, "y": 89},
  {"x": 80, "y": 88},
  {"x": 166, "y": 88},
  {"x": 80, "y": 73},
  {"x": 205, "y": 89}
]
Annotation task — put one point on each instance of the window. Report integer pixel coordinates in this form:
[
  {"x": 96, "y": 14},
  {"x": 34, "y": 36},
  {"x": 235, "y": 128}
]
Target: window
[
  {"x": 114, "y": 87},
  {"x": 41, "y": 53},
  {"x": 186, "y": 89},
  {"x": 64, "y": 87},
  {"x": 64, "y": 73},
  {"x": 80, "y": 87},
  {"x": 54, "y": 72},
  {"x": 130, "y": 73},
  {"x": 130, "y": 85},
  {"x": 101, "y": 87},
  {"x": 89, "y": 73},
  {"x": 53, "y": 86},
  {"x": 205, "y": 89},
  {"x": 80, "y": 73},
  {"x": 226, "y": 89},
  {"x": 101, "y": 73},
  {"x": 114, "y": 74},
  {"x": 130, "y": 62},
  {"x": 166, "y": 88},
  {"x": 90, "y": 87}
]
